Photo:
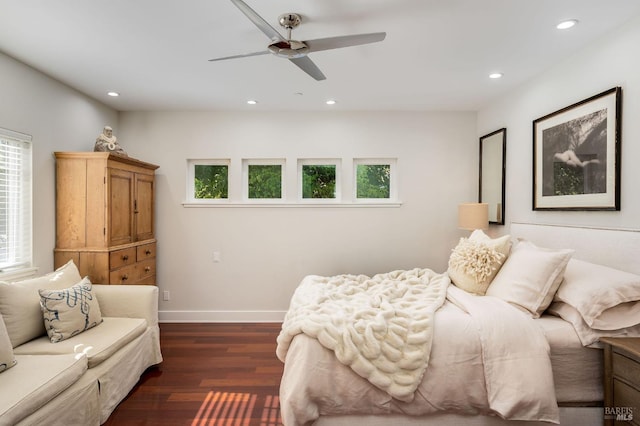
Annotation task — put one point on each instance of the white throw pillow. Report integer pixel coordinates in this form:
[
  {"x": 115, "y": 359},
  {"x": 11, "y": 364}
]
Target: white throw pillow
[
  {"x": 476, "y": 260},
  {"x": 20, "y": 302},
  {"x": 530, "y": 277},
  {"x": 588, "y": 336},
  {"x": 7, "y": 360},
  {"x": 69, "y": 312},
  {"x": 607, "y": 298}
]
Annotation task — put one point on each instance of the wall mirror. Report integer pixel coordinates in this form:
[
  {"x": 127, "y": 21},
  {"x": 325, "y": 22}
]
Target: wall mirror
[{"x": 492, "y": 173}]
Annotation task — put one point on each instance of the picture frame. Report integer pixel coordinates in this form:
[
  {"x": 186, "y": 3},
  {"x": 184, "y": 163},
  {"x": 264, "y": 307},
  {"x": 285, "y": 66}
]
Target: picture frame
[{"x": 576, "y": 155}]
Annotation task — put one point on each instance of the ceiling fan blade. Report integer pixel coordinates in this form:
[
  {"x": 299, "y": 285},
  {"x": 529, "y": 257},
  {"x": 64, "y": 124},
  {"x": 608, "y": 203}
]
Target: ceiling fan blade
[
  {"x": 258, "y": 21},
  {"x": 343, "y": 41},
  {"x": 307, "y": 65},
  {"x": 246, "y": 55}
]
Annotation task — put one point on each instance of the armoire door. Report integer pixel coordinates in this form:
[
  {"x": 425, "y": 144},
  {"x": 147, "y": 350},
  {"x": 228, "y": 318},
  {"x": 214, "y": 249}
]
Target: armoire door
[
  {"x": 121, "y": 202},
  {"x": 143, "y": 207}
]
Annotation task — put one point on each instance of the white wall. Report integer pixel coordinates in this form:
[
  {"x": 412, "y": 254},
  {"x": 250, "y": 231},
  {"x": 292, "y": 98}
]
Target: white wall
[
  {"x": 266, "y": 251},
  {"x": 610, "y": 62},
  {"x": 59, "y": 119}
]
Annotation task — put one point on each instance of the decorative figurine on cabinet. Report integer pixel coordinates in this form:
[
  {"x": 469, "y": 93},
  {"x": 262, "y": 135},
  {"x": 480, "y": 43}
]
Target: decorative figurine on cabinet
[{"x": 107, "y": 142}]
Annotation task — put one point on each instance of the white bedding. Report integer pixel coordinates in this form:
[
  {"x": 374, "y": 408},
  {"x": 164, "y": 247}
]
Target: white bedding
[
  {"x": 469, "y": 371},
  {"x": 577, "y": 370},
  {"x": 380, "y": 326}
]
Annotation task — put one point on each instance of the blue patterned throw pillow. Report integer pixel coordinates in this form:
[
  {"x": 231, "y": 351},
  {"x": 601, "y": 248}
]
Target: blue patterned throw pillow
[{"x": 71, "y": 311}]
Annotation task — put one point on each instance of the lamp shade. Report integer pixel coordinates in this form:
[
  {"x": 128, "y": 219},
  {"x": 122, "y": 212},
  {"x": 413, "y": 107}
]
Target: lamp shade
[{"x": 473, "y": 216}]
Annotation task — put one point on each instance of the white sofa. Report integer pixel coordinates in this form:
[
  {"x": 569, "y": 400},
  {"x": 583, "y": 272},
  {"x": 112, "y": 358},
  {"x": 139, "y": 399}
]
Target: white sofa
[{"x": 79, "y": 380}]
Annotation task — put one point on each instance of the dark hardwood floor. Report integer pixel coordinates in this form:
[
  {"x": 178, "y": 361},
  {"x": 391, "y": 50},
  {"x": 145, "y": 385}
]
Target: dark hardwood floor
[{"x": 212, "y": 374}]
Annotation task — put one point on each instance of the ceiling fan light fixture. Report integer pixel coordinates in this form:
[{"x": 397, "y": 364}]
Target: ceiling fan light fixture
[
  {"x": 330, "y": 102},
  {"x": 495, "y": 75},
  {"x": 252, "y": 102},
  {"x": 566, "y": 24},
  {"x": 294, "y": 50}
]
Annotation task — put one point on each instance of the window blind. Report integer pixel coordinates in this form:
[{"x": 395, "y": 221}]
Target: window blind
[{"x": 15, "y": 200}]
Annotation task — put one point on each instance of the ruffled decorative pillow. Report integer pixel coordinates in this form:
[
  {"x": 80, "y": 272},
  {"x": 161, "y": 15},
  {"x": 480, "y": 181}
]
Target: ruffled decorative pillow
[
  {"x": 70, "y": 311},
  {"x": 476, "y": 260}
]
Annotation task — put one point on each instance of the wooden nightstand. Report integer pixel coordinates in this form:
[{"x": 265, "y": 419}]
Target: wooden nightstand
[{"x": 621, "y": 380}]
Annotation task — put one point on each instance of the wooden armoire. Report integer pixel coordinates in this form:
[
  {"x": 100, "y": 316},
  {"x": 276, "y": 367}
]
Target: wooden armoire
[{"x": 105, "y": 217}]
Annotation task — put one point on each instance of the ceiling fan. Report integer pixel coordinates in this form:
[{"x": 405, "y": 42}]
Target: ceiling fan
[{"x": 294, "y": 50}]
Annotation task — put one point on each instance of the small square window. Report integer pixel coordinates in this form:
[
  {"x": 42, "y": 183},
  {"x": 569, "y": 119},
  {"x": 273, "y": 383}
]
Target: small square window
[
  {"x": 209, "y": 180},
  {"x": 263, "y": 179},
  {"x": 374, "y": 179},
  {"x": 319, "y": 180}
]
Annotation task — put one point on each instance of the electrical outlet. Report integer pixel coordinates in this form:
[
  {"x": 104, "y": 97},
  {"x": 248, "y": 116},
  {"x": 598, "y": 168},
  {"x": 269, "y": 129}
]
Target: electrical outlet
[
  {"x": 217, "y": 257},
  {"x": 166, "y": 295}
]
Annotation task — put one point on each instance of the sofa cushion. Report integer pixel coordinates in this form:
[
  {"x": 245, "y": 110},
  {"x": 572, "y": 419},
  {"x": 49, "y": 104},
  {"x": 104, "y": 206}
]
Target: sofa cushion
[
  {"x": 98, "y": 343},
  {"x": 70, "y": 311},
  {"x": 7, "y": 359},
  {"x": 20, "y": 302},
  {"x": 36, "y": 380}
]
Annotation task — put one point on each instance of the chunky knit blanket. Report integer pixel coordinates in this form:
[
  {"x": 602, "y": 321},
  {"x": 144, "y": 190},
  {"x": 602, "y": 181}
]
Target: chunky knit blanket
[{"x": 380, "y": 326}]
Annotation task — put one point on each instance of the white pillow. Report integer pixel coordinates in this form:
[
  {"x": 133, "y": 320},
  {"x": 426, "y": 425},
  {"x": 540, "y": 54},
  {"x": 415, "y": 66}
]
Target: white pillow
[
  {"x": 588, "y": 336},
  {"x": 7, "y": 360},
  {"x": 476, "y": 260},
  {"x": 69, "y": 312},
  {"x": 530, "y": 277},
  {"x": 606, "y": 298},
  {"x": 20, "y": 302}
]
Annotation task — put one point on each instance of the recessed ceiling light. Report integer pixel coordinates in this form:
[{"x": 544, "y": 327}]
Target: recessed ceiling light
[
  {"x": 113, "y": 94},
  {"x": 496, "y": 75},
  {"x": 252, "y": 102},
  {"x": 565, "y": 25},
  {"x": 331, "y": 102}
]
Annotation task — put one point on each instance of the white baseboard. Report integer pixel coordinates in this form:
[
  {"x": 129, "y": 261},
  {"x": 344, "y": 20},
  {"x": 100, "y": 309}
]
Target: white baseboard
[{"x": 221, "y": 316}]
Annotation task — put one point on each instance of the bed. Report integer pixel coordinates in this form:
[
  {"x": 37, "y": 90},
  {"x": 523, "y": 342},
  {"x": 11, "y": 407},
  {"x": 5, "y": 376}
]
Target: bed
[{"x": 454, "y": 358}]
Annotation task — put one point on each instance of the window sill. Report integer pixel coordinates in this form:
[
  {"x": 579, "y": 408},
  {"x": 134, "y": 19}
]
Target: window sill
[
  {"x": 288, "y": 204},
  {"x": 18, "y": 274}
]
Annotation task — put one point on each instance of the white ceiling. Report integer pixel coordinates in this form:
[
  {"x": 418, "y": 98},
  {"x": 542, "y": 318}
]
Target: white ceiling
[{"x": 437, "y": 54}]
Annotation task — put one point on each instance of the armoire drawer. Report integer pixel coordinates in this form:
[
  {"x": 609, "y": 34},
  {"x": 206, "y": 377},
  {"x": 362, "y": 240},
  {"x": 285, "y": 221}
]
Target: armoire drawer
[
  {"x": 139, "y": 273},
  {"x": 124, "y": 275},
  {"x": 146, "y": 251},
  {"x": 122, "y": 257},
  {"x": 145, "y": 269}
]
